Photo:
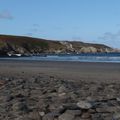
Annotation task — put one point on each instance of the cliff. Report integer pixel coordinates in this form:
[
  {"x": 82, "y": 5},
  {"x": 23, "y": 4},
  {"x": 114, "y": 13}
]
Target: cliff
[{"x": 28, "y": 45}]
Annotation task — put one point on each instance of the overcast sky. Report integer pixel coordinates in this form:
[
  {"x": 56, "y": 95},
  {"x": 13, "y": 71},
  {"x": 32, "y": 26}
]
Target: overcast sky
[{"x": 95, "y": 21}]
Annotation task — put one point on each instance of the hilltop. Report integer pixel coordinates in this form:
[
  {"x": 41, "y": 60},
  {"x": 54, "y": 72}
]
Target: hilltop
[{"x": 28, "y": 45}]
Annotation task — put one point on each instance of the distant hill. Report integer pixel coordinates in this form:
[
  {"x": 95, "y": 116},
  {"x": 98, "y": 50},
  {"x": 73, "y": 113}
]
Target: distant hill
[{"x": 28, "y": 45}]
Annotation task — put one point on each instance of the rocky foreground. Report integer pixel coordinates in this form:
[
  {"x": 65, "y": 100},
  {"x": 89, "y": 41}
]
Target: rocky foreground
[{"x": 49, "y": 98}]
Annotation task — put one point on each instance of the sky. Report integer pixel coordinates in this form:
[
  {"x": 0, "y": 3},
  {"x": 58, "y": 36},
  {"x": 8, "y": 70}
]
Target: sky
[{"x": 94, "y": 21}]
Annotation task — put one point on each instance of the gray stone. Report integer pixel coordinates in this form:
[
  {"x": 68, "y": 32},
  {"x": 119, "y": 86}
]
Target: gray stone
[
  {"x": 70, "y": 115},
  {"x": 62, "y": 89},
  {"x": 74, "y": 112},
  {"x": 41, "y": 113},
  {"x": 48, "y": 116},
  {"x": 66, "y": 116},
  {"x": 118, "y": 99},
  {"x": 97, "y": 116},
  {"x": 84, "y": 105},
  {"x": 34, "y": 115},
  {"x": 86, "y": 115},
  {"x": 107, "y": 109},
  {"x": 62, "y": 94},
  {"x": 116, "y": 116}
]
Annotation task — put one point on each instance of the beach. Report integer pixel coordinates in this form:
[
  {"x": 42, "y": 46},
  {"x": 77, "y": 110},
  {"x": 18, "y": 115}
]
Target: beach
[
  {"x": 97, "y": 72},
  {"x": 42, "y": 90}
]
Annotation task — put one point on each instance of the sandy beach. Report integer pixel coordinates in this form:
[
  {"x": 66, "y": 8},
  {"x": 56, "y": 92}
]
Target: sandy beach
[
  {"x": 39, "y": 90},
  {"x": 97, "y": 72}
]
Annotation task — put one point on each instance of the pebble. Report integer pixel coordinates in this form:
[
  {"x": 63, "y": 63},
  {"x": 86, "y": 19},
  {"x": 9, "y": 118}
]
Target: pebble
[
  {"x": 84, "y": 105},
  {"x": 86, "y": 115},
  {"x": 48, "y": 116},
  {"x": 42, "y": 98},
  {"x": 42, "y": 113},
  {"x": 66, "y": 116},
  {"x": 116, "y": 116},
  {"x": 62, "y": 89}
]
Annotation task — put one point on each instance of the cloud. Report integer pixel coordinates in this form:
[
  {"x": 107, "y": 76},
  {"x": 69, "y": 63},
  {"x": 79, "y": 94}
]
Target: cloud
[
  {"x": 6, "y": 15},
  {"x": 111, "y": 36}
]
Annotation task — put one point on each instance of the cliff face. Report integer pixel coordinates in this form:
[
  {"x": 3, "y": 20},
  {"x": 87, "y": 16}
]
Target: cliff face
[{"x": 28, "y": 45}]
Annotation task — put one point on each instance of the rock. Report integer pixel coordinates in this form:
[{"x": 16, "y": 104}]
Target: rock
[
  {"x": 75, "y": 112},
  {"x": 97, "y": 116},
  {"x": 84, "y": 105},
  {"x": 70, "y": 115},
  {"x": 62, "y": 94},
  {"x": 19, "y": 106},
  {"x": 118, "y": 99},
  {"x": 9, "y": 98},
  {"x": 48, "y": 116},
  {"x": 92, "y": 111},
  {"x": 73, "y": 95},
  {"x": 116, "y": 116},
  {"x": 34, "y": 115},
  {"x": 20, "y": 50},
  {"x": 66, "y": 116},
  {"x": 42, "y": 113},
  {"x": 107, "y": 109},
  {"x": 86, "y": 115},
  {"x": 71, "y": 106},
  {"x": 42, "y": 98},
  {"x": 62, "y": 89},
  {"x": 2, "y": 82},
  {"x": 88, "y": 49},
  {"x": 57, "y": 109}
]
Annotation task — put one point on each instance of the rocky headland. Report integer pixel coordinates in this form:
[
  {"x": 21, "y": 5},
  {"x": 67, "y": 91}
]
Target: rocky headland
[{"x": 28, "y": 45}]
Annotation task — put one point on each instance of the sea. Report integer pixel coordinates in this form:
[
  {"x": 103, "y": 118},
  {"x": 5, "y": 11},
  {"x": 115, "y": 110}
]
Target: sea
[{"x": 83, "y": 57}]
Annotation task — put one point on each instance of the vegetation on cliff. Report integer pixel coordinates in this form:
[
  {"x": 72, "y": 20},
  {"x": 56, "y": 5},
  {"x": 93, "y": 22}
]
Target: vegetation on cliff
[{"x": 28, "y": 45}]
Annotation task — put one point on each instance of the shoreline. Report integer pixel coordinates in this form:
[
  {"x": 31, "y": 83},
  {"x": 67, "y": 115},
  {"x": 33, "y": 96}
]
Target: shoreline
[
  {"x": 83, "y": 57},
  {"x": 104, "y": 72}
]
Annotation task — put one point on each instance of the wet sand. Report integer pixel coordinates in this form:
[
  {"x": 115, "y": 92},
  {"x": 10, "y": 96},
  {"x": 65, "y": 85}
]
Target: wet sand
[{"x": 97, "y": 72}]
